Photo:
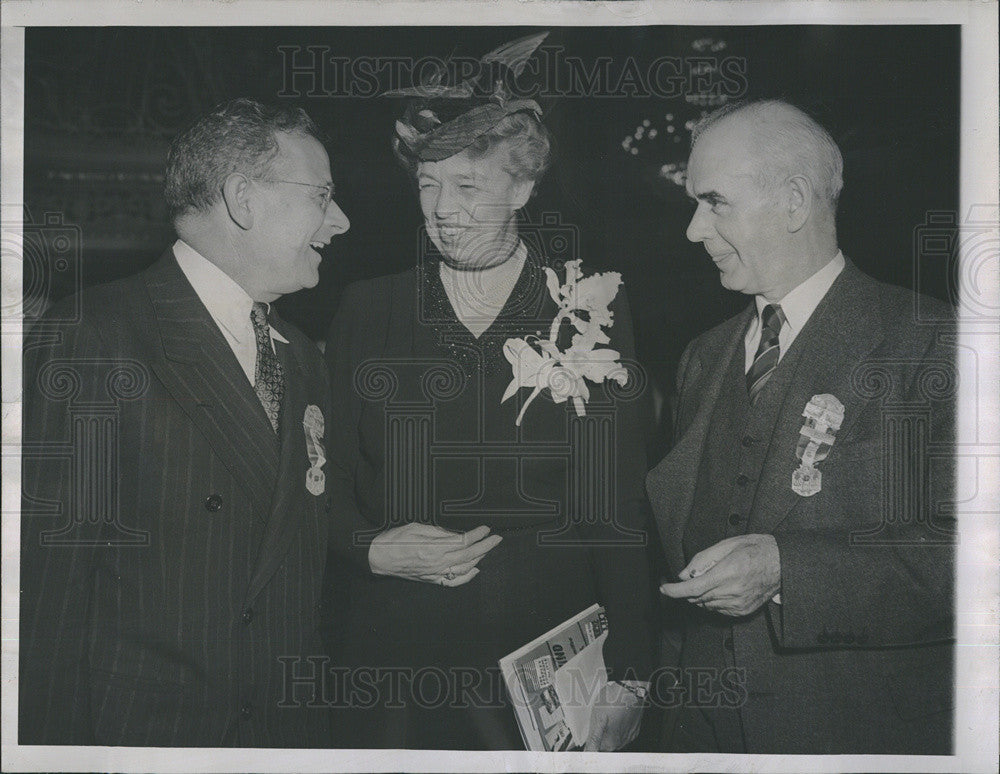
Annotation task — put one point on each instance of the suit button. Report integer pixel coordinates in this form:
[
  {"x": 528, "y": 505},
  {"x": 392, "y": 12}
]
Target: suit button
[
  {"x": 247, "y": 616},
  {"x": 822, "y": 638},
  {"x": 213, "y": 502},
  {"x": 742, "y": 480},
  {"x": 734, "y": 519},
  {"x": 862, "y": 638},
  {"x": 748, "y": 440},
  {"x": 246, "y": 710},
  {"x": 849, "y": 638},
  {"x": 727, "y": 643}
]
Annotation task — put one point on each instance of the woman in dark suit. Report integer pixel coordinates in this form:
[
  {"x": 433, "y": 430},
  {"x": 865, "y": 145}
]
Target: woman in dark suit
[{"x": 476, "y": 515}]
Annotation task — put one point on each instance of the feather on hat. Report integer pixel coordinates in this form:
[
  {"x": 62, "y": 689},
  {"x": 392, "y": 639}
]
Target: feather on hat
[{"x": 442, "y": 120}]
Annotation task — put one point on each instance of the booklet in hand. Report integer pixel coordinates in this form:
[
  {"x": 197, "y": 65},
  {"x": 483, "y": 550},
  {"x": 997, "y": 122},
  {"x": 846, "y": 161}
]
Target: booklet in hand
[{"x": 554, "y": 680}]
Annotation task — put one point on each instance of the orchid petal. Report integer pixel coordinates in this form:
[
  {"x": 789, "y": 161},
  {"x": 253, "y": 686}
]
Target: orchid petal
[
  {"x": 512, "y": 388},
  {"x": 585, "y": 341},
  {"x": 596, "y": 364},
  {"x": 526, "y": 361},
  {"x": 552, "y": 282},
  {"x": 572, "y": 272},
  {"x": 579, "y": 324},
  {"x": 520, "y": 414},
  {"x": 550, "y": 349}
]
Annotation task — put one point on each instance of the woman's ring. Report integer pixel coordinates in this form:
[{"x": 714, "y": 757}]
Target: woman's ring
[{"x": 449, "y": 575}]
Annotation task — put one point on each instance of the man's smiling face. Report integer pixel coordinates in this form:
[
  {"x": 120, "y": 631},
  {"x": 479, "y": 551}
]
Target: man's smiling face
[
  {"x": 293, "y": 218},
  {"x": 739, "y": 218}
]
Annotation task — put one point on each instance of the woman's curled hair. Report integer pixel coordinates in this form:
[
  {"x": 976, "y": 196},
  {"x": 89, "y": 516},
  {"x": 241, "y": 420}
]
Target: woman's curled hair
[{"x": 523, "y": 136}]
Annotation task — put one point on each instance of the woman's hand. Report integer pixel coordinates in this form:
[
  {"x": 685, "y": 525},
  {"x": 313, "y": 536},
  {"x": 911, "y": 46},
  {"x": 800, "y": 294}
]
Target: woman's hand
[{"x": 424, "y": 552}]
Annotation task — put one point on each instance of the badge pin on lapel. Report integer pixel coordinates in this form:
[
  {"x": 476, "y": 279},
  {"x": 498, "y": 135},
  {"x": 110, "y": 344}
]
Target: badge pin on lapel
[
  {"x": 315, "y": 481},
  {"x": 824, "y": 415},
  {"x": 313, "y": 424}
]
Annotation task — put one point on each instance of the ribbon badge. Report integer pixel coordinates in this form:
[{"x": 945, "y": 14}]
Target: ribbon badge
[
  {"x": 824, "y": 414},
  {"x": 313, "y": 424}
]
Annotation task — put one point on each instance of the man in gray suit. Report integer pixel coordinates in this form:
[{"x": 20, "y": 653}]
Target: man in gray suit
[
  {"x": 174, "y": 520},
  {"x": 799, "y": 508}
]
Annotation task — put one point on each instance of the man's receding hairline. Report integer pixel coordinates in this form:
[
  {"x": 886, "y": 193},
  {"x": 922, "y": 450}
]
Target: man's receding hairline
[
  {"x": 281, "y": 152},
  {"x": 757, "y": 116},
  {"x": 752, "y": 152},
  {"x": 751, "y": 127},
  {"x": 759, "y": 112}
]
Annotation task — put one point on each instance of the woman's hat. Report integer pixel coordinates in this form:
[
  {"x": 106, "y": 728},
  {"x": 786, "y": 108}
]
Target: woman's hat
[{"x": 442, "y": 120}]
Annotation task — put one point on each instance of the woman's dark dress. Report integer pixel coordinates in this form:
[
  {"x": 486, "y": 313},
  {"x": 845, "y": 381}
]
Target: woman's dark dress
[{"x": 422, "y": 435}]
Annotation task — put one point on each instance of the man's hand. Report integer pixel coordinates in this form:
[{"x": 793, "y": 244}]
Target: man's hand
[
  {"x": 734, "y": 577},
  {"x": 616, "y": 719},
  {"x": 424, "y": 552}
]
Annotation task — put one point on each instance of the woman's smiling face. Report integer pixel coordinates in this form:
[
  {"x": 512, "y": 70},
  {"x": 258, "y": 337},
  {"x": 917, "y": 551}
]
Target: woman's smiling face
[{"x": 469, "y": 204}]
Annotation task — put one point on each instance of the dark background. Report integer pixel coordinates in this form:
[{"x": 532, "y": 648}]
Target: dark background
[{"x": 101, "y": 105}]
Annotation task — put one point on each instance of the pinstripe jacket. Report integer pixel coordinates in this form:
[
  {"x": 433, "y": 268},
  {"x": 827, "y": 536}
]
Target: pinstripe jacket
[{"x": 171, "y": 555}]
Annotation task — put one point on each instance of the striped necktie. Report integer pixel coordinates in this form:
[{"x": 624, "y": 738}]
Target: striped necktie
[
  {"x": 269, "y": 376},
  {"x": 766, "y": 359}
]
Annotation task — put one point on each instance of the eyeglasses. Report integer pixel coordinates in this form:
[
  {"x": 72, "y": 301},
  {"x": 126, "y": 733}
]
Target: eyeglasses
[{"x": 328, "y": 189}]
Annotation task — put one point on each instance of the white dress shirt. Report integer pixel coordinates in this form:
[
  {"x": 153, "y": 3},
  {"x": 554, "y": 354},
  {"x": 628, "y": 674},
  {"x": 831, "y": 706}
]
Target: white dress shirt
[
  {"x": 798, "y": 306},
  {"x": 227, "y": 302}
]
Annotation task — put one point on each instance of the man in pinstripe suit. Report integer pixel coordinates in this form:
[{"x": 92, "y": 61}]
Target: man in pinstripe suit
[{"x": 174, "y": 518}]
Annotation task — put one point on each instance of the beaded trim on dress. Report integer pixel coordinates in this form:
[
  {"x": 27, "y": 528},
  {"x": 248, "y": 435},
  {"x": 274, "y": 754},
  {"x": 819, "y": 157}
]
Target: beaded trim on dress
[{"x": 521, "y": 315}]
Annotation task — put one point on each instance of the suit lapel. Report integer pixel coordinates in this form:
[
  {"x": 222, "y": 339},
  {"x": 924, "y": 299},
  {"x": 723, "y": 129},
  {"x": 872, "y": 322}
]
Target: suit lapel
[
  {"x": 671, "y": 484},
  {"x": 840, "y": 333},
  {"x": 198, "y": 367},
  {"x": 291, "y": 501}
]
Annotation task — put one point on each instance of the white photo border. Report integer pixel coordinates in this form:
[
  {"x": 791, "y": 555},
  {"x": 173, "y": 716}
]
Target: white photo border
[{"x": 978, "y": 590}]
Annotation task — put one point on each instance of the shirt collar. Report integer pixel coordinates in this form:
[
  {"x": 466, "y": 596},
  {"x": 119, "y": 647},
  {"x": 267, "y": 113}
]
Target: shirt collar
[
  {"x": 800, "y": 302},
  {"x": 223, "y": 297}
]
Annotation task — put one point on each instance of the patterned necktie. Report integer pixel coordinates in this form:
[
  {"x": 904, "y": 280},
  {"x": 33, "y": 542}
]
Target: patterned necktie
[
  {"x": 269, "y": 376},
  {"x": 766, "y": 359}
]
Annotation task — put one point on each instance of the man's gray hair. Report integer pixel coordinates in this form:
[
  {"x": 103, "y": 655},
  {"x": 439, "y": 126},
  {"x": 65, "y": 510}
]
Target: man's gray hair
[
  {"x": 237, "y": 136},
  {"x": 790, "y": 141}
]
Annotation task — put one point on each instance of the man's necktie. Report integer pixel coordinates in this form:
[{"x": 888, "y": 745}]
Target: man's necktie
[
  {"x": 766, "y": 359},
  {"x": 269, "y": 376}
]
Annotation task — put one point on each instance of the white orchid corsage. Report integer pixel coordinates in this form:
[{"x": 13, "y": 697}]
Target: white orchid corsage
[{"x": 540, "y": 363}]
